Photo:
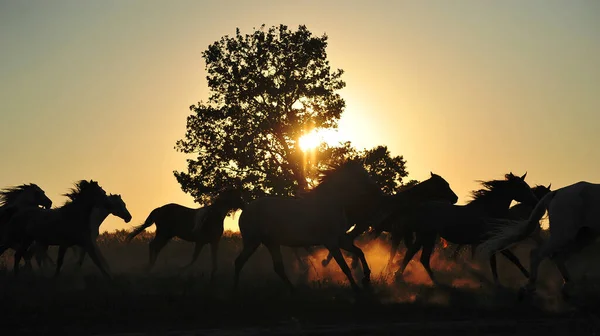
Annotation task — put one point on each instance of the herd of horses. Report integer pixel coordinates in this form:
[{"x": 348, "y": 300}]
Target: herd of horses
[{"x": 345, "y": 204}]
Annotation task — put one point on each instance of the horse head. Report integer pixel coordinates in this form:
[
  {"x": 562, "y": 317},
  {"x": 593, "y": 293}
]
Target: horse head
[
  {"x": 519, "y": 190},
  {"x": 118, "y": 208}
]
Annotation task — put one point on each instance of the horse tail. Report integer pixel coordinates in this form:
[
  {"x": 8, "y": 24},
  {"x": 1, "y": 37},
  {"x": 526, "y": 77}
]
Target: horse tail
[
  {"x": 510, "y": 232},
  {"x": 138, "y": 229}
]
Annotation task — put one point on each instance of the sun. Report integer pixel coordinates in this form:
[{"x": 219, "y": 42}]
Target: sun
[
  {"x": 309, "y": 141},
  {"x": 313, "y": 139}
]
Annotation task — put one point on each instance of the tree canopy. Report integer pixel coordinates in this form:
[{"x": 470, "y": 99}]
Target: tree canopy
[{"x": 267, "y": 89}]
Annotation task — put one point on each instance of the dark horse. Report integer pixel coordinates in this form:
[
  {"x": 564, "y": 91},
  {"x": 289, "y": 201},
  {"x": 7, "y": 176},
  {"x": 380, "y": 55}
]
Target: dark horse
[
  {"x": 114, "y": 206},
  {"x": 464, "y": 224},
  {"x": 64, "y": 226},
  {"x": 434, "y": 188},
  {"x": 201, "y": 226},
  {"x": 319, "y": 217},
  {"x": 519, "y": 211},
  {"x": 13, "y": 199}
]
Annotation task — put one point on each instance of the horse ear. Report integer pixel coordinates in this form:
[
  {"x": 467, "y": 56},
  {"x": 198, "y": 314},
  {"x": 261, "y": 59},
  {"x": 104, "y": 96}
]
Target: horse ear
[
  {"x": 523, "y": 177},
  {"x": 549, "y": 186},
  {"x": 430, "y": 172}
]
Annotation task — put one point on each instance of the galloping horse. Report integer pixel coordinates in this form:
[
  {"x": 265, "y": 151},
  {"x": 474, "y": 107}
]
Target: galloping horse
[
  {"x": 519, "y": 211},
  {"x": 463, "y": 224},
  {"x": 65, "y": 226},
  {"x": 573, "y": 213},
  {"x": 201, "y": 226},
  {"x": 434, "y": 188},
  {"x": 318, "y": 218},
  {"x": 114, "y": 206},
  {"x": 13, "y": 199}
]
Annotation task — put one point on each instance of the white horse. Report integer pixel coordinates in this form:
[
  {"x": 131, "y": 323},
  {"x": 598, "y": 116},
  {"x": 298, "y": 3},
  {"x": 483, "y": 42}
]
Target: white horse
[
  {"x": 573, "y": 213},
  {"x": 318, "y": 218}
]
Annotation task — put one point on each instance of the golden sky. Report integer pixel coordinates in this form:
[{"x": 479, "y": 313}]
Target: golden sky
[{"x": 467, "y": 89}]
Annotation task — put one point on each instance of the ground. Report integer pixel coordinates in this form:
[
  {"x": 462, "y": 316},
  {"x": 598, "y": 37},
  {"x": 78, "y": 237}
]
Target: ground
[{"x": 170, "y": 301}]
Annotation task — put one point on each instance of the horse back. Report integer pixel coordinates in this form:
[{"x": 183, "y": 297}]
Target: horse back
[{"x": 292, "y": 221}]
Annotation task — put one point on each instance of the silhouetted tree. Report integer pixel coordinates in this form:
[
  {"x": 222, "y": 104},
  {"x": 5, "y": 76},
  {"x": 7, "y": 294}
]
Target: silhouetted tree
[{"x": 266, "y": 90}]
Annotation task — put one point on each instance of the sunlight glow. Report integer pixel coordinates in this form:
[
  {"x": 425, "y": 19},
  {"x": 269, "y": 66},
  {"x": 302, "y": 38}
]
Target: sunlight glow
[{"x": 316, "y": 137}]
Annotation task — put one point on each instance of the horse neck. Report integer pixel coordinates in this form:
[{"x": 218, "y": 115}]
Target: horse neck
[
  {"x": 98, "y": 216},
  {"x": 416, "y": 193},
  {"x": 493, "y": 203},
  {"x": 77, "y": 207}
]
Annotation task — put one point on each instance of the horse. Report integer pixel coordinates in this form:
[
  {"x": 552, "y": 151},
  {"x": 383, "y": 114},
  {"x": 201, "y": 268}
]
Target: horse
[
  {"x": 434, "y": 188},
  {"x": 573, "y": 214},
  {"x": 463, "y": 224},
  {"x": 318, "y": 218},
  {"x": 200, "y": 226},
  {"x": 519, "y": 211},
  {"x": 64, "y": 226},
  {"x": 114, "y": 206},
  {"x": 17, "y": 198}
]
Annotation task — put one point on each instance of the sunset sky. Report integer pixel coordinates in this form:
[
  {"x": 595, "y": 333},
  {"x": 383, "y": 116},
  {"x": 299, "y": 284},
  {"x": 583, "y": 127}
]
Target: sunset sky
[{"x": 467, "y": 89}]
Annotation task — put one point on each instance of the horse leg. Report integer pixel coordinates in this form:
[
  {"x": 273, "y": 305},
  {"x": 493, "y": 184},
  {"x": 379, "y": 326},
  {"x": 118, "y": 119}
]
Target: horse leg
[
  {"x": 157, "y": 244},
  {"x": 96, "y": 257},
  {"x": 537, "y": 256},
  {"x": 214, "y": 249},
  {"x": 82, "y": 255},
  {"x": 339, "y": 258},
  {"x": 494, "y": 268},
  {"x": 241, "y": 260},
  {"x": 275, "y": 251},
  {"x": 327, "y": 260},
  {"x": 410, "y": 253},
  {"x": 357, "y": 253},
  {"x": 513, "y": 258},
  {"x": 428, "y": 246},
  {"x": 560, "y": 261},
  {"x": 197, "y": 249},
  {"x": 393, "y": 251},
  {"x": 59, "y": 261}
]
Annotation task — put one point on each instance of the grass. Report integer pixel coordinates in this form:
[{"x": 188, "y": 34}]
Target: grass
[{"x": 81, "y": 301}]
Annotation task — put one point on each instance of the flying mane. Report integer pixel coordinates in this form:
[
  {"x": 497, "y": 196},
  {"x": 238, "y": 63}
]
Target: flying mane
[
  {"x": 11, "y": 194},
  {"x": 326, "y": 175},
  {"x": 81, "y": 187},
  {"x": 488, "y": 189}
]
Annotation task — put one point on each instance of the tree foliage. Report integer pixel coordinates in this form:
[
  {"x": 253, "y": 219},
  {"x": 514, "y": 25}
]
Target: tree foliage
[{"x": 267, "y": 89}]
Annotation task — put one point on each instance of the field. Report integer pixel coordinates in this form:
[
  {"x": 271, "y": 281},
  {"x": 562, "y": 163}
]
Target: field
[{"x": 166, "y": 300}]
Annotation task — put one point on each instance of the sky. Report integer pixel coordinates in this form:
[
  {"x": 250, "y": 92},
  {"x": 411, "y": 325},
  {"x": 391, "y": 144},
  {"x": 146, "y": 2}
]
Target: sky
[{"x": 469, "y": 90}]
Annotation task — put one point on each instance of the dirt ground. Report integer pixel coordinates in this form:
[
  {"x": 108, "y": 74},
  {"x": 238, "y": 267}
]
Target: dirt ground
[{"x": 170, "y": 301}]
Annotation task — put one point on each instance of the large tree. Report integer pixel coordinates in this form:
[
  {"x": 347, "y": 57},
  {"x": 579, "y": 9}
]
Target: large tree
[{"x": 267, "y": 89}]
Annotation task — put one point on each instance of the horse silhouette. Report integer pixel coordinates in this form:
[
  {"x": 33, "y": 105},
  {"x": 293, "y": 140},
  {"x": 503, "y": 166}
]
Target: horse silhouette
[
  {"x": 201, "y": 226},
  {"x": 463, "y": 224},
  {"x": 317, "y": 218}
]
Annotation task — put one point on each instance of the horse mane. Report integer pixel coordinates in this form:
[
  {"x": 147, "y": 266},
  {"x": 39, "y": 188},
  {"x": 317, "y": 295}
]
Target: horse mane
[
  {"x": 488, "y": 188},
  {"x": 10, "y": 194},
  {"x": 326, "y": 174},
  {"x": 81, "y": 187}
]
